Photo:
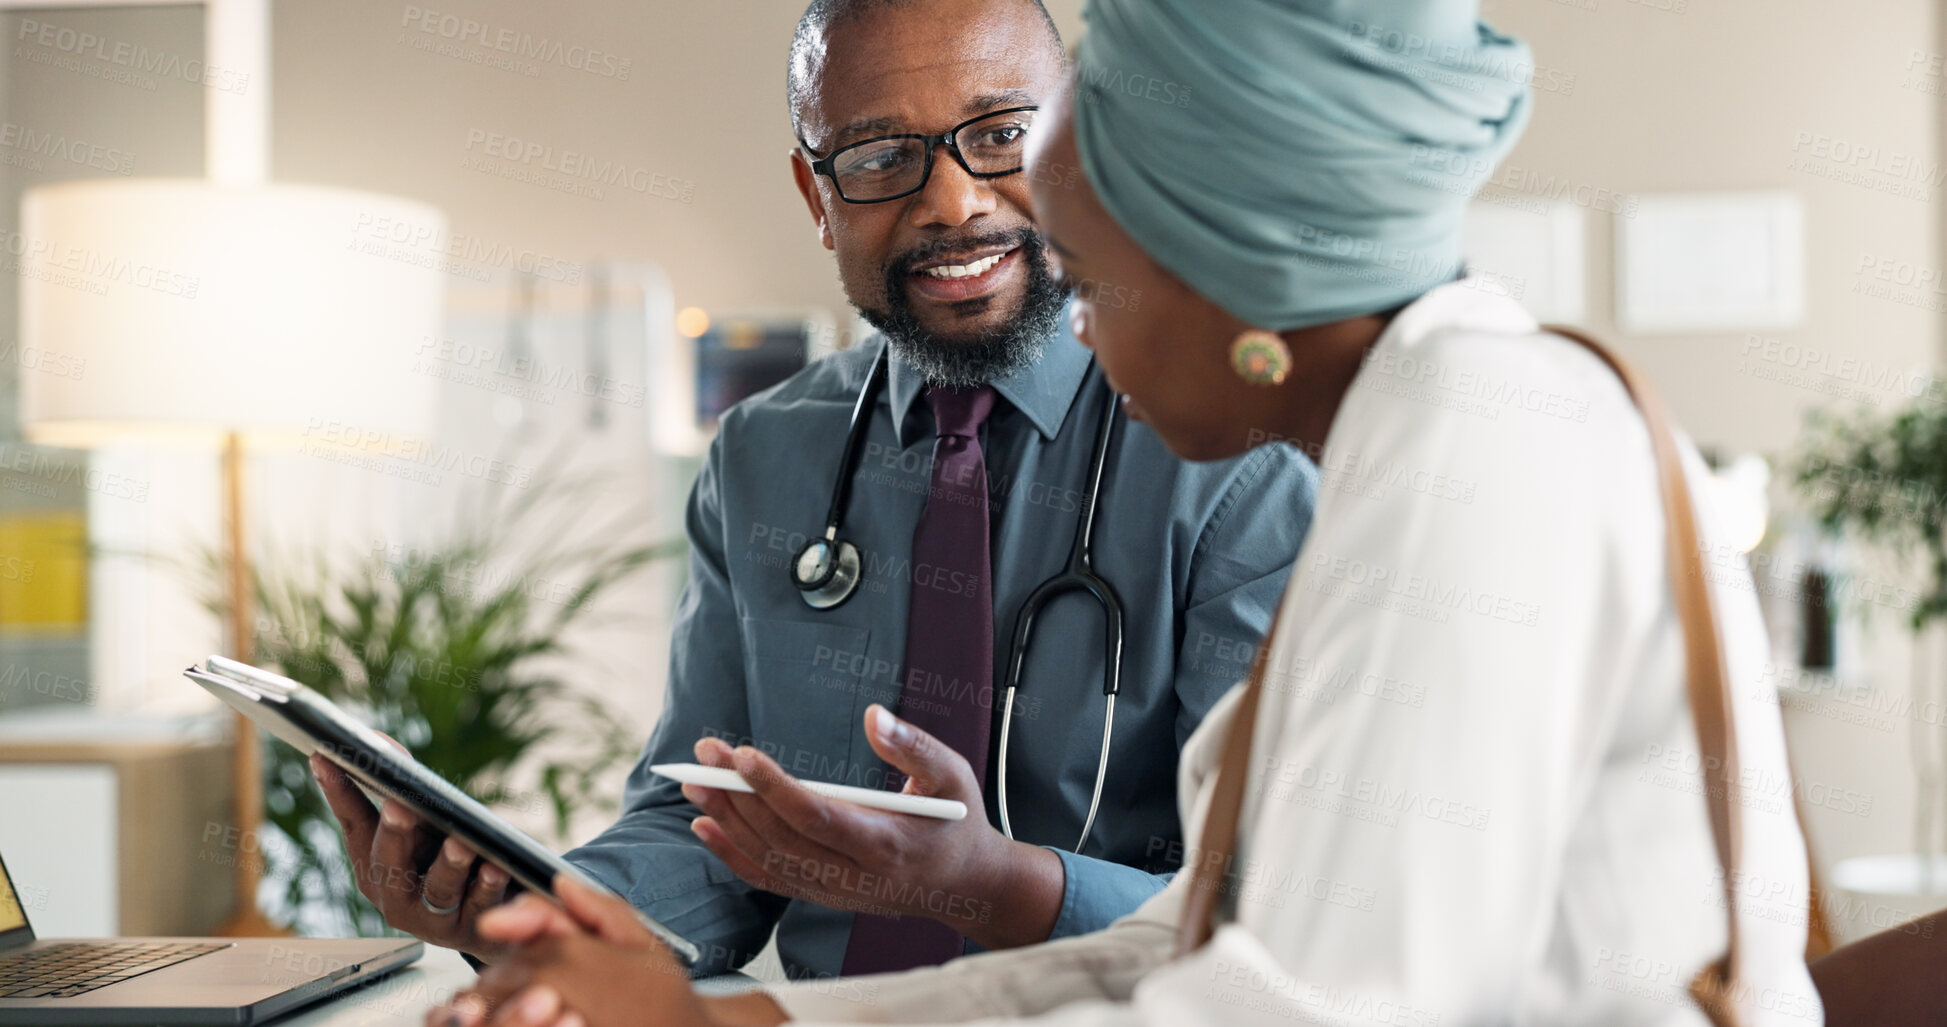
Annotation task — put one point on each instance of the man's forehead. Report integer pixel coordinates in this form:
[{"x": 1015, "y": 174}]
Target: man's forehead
[{"x": 894, "y": 72}]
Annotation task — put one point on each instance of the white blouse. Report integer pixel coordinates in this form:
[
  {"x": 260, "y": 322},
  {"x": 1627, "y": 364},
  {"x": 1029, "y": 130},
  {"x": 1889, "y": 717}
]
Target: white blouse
[{"x": 1476, "y": 793}]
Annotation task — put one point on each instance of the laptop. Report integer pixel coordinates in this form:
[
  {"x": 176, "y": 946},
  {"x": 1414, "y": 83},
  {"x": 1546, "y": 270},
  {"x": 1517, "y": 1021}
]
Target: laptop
[{"x": 49, "y": 982}]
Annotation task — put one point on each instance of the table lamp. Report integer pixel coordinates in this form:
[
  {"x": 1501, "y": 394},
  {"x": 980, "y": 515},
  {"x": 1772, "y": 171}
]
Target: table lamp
[{"x": 206, "y": 314}]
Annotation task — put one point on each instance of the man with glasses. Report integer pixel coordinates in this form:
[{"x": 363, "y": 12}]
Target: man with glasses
[{"x": 966, "y": 495}]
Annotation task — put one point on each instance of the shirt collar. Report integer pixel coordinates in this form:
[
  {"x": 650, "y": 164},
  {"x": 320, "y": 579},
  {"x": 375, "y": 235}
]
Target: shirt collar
[{"x": 1043, "y": 391}]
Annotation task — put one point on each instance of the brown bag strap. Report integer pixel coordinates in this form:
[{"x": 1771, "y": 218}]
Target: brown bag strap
[
  {"x": 1210, "y": 862},
  {"x": 1710, "y": 705}
]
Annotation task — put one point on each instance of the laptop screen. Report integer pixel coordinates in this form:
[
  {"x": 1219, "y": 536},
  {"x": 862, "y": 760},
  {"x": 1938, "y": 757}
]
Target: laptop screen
[{"x": 12, "y": 917}]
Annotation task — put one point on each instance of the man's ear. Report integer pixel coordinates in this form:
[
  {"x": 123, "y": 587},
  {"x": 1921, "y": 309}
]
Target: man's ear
[{"x": 807, "y": 180}]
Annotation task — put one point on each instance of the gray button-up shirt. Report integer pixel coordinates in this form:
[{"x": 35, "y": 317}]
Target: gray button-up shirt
[{"x": 1197, "y": 552}]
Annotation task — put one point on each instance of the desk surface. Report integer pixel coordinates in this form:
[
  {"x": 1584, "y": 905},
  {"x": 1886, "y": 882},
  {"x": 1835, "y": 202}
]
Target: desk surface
[{"x": 401, "y": 999}]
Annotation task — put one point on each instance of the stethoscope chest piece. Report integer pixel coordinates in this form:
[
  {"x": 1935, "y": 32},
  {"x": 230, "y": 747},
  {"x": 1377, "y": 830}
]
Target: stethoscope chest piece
[{"x": 826, "y": 572}]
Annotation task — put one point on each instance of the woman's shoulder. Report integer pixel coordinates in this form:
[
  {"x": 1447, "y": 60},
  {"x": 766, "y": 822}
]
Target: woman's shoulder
[{"x": 1465, "y": 366}]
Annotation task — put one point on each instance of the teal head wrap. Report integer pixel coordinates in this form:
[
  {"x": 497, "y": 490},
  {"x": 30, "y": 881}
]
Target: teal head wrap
[{"x": 1296, "y": 161}]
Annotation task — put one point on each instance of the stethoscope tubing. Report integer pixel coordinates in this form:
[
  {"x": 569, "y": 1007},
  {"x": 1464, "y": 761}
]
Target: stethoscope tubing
[{"x": 1078, "y": 576}]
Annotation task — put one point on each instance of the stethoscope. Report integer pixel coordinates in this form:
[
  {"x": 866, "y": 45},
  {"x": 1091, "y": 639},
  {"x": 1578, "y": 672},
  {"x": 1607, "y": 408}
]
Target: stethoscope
[{"x": 826, "y": 573}]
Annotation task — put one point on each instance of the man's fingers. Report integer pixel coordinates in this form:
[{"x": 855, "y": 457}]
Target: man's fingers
[
  {"x": 781, "y": 806},
  {"x": 354, "y": 812},
  {"x": 489, "y": 890},
  {"x": 393, "y": 869},
  {"x": 772, "y": 845},
  {"x": 712, "y": 752},
  {"x": 930, "y": 765},
  {"x": 711, "y": 801},
  {"x": 446, "y": 879}
]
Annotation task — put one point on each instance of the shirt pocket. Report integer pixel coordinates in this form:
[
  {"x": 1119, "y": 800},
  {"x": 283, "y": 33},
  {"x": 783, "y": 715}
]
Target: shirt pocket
[{"x": 803, "y": 688}]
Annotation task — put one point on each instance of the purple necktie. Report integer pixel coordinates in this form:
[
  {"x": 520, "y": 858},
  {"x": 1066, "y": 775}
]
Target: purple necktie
[{"x": 949, "y": 680}]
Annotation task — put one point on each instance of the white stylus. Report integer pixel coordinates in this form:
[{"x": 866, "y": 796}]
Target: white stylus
[{"x": 729, "y": 781}]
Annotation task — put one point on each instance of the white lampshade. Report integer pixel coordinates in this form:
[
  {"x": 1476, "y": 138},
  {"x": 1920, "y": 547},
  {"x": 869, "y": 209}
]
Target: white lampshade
[{"x": 182, "y": 309}]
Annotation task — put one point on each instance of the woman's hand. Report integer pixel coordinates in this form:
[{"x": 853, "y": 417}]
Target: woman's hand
[{"x": 590, "y": 965}]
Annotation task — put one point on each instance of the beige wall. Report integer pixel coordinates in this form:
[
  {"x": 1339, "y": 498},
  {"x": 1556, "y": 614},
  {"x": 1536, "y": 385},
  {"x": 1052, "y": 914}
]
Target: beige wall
[
  {"x": 1724, "y": 96},
  {"x": 704, "y": 102}
]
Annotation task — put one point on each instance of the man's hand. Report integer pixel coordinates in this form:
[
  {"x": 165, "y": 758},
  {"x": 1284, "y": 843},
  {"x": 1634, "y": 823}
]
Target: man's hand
[
  {"x": 431, "y": 888},
  {"x": 591, "y": 964},
  {"x": 786, "y": 839}
]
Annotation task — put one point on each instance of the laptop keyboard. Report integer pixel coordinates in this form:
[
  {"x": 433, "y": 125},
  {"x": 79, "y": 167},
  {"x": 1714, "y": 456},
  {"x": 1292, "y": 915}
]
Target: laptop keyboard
[{"x": 75, "y": 968}]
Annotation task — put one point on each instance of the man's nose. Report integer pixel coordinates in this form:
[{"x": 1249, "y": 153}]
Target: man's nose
[{"x": 951, "y": 197}]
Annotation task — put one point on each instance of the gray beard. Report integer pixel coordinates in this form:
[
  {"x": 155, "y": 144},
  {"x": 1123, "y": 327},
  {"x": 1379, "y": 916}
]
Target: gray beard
[
  {"x": 968, "y": 364},
  {"x": 971, "y": 360}
]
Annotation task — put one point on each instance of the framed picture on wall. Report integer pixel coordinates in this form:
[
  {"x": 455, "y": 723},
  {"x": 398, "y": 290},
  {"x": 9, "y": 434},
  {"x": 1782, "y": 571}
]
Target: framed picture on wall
[{"x": 1711, "y": 262}]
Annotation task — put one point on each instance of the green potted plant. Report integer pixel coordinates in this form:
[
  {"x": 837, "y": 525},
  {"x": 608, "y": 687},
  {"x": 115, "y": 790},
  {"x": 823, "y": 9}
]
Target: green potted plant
[
  {"x": 454, "y": 650},
  {"x": 1879, "y": 480}
]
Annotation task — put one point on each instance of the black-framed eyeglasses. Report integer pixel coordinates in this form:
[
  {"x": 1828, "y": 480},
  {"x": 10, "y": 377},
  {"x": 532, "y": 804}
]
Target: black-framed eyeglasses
[{"x": 888, "y": 167}]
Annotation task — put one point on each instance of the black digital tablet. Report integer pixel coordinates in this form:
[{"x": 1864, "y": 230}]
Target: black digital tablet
[{"x": 310, "y": 723}]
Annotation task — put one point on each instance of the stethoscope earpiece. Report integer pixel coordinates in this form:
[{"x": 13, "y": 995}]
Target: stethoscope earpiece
[{"x": 826, "y": 572}]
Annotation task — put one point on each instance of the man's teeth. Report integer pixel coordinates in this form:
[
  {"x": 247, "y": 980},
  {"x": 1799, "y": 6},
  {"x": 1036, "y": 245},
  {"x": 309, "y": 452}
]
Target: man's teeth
[{"x": 965, "y": 270}]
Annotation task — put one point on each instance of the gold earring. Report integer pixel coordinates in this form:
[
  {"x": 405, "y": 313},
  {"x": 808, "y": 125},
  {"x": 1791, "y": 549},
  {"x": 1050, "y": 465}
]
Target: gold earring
[{"x": 1260, "y": 357}]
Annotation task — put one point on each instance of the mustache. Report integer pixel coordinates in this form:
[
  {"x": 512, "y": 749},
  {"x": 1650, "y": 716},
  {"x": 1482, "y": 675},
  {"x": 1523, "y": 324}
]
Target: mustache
[{"x": 937, "y": 248}]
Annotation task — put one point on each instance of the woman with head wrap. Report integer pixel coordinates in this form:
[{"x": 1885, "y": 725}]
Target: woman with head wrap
[{"x": 1475, "y": 787}]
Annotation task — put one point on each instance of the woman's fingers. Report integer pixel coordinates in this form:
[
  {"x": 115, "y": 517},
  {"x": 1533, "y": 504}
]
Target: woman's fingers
[
  {"x": 609, "y": 917},
  {"x": 537, "y": 1006},
  {"x": 524, "y": 920}
]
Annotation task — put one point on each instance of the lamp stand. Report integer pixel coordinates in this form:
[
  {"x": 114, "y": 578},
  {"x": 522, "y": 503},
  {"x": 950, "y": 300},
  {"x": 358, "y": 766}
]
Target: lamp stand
[{"x": 246, "y": 765}]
